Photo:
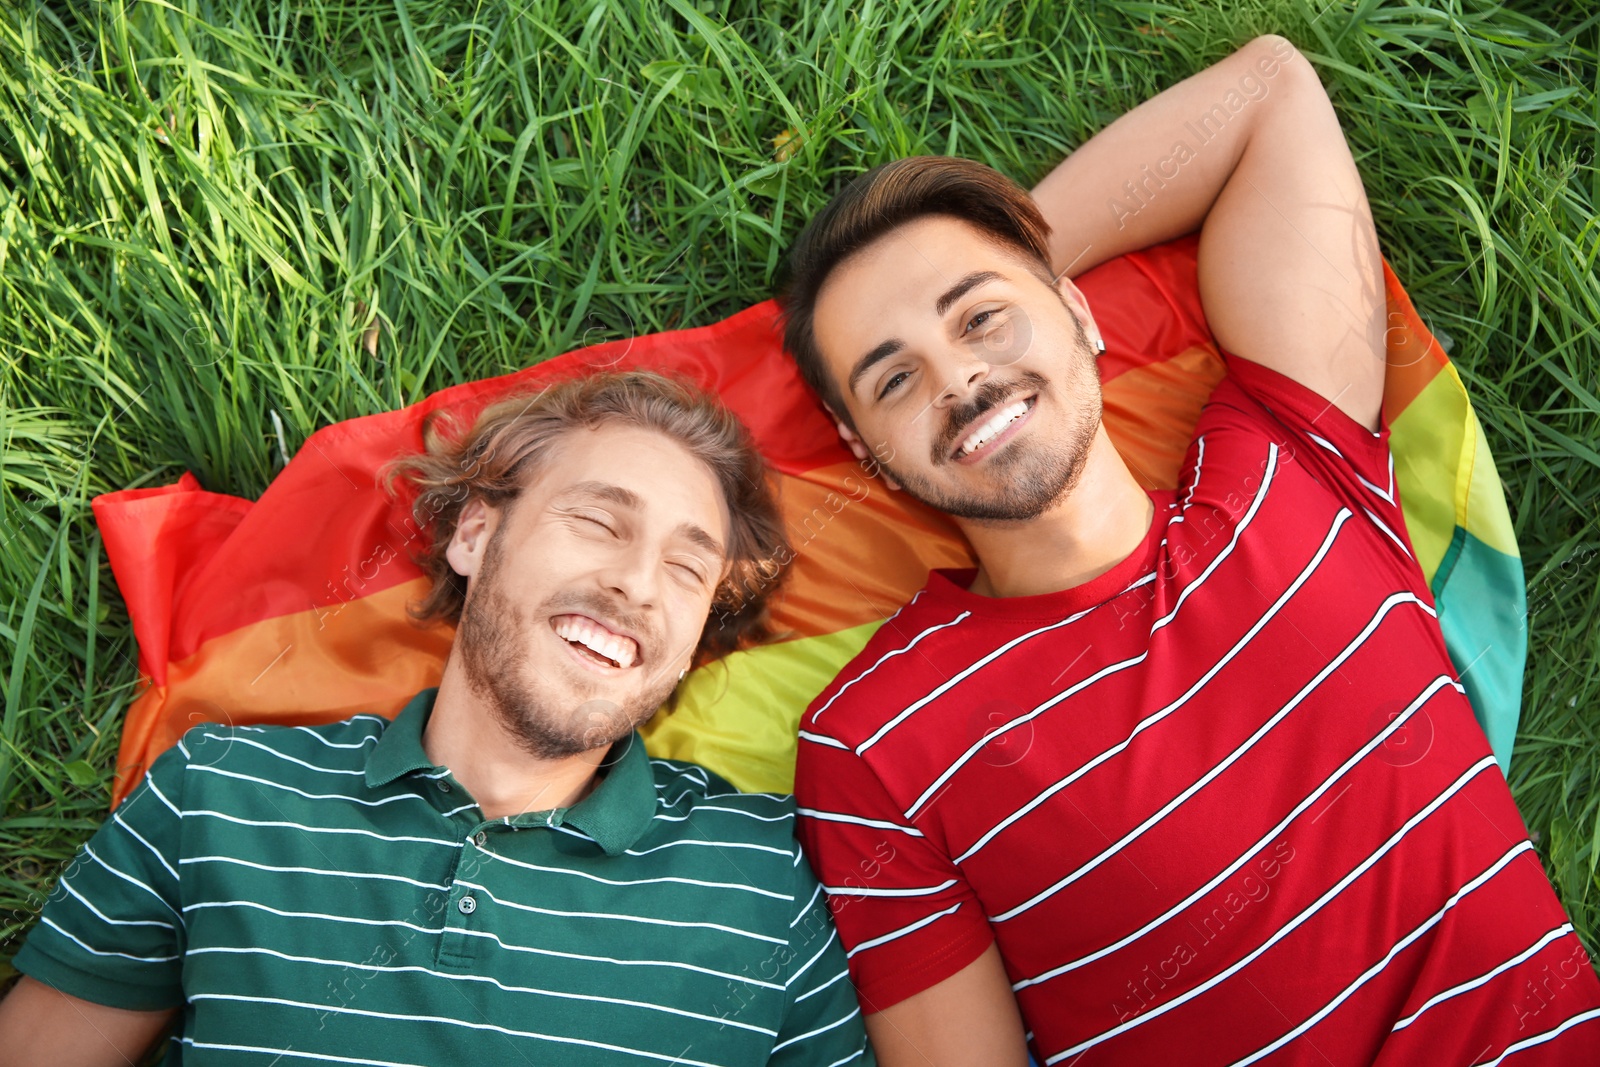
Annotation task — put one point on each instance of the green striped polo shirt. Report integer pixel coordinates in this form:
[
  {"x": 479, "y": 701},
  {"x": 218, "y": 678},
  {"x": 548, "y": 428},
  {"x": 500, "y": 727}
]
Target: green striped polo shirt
[{"x": 327, "y": 895}]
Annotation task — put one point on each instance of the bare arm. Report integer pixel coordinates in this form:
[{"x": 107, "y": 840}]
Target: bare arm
[
  {"x": 969, "y": 1018},
  {"x": 39, "y": 1024},
  {"x": 1250, "y": 153}
]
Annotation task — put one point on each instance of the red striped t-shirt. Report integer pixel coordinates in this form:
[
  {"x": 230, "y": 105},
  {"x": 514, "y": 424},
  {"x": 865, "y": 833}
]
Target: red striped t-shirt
[{"x": 1225, "y": 803}]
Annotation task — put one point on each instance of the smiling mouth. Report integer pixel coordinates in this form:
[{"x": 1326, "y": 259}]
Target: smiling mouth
[
  {"x": 994, "y": 425},
  {"x": 596, "y": 643}
]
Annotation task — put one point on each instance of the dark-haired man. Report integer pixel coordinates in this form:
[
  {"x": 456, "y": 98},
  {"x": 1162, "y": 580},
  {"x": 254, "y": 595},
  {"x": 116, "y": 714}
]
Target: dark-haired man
[
  {"x": 501, "y": 875},
  {"x": 1212, "y": 848}
]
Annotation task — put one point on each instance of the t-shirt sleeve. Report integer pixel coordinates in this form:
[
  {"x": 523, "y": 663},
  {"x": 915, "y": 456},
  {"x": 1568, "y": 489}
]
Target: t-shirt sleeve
[
  {"x": 822, "y": 1022},
  {"x": 905, "y": 912},
  {"x": 1312, "y": 435},
  {"x": 112, "y": 931}
]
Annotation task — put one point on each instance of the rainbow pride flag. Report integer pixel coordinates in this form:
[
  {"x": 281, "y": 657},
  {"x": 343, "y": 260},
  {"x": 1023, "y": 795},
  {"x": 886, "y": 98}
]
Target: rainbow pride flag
[{"x": 291, "y": 609}]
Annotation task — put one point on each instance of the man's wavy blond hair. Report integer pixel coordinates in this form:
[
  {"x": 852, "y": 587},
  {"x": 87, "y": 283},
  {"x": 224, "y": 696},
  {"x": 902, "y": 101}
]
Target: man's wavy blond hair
[{"x": 506, "y": 447}]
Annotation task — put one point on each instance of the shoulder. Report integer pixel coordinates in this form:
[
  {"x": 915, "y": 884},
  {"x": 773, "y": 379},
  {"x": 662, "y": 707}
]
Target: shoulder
[
  {"x": 688, "y": 792},
  {"x": 1235, "y": 418},
  {"x": 1256, "y": 451},
  {"x": 895, "y": 665},
  {"x": 1255, "y": 401},
  {"x": 333, "y": 744},
  {"x": 329, "y": 757}
]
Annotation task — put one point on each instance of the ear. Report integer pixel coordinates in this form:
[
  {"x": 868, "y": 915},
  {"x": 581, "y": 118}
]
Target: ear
[
  {"x": 474, "y": 528},
  {"x": 1079, "y": 305},
  {"x": 858, "y": 448},
  {"x": 851, "y": 439}
]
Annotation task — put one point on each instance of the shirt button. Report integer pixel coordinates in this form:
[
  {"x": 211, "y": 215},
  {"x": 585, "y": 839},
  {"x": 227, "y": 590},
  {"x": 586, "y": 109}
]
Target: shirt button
[
  {"x": 480, "y": 838},
  {"x": 444, "y": 786},
  {"x": 467, "y": 905}
]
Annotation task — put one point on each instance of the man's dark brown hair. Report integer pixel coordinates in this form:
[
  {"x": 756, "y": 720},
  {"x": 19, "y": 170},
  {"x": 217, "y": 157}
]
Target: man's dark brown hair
[
  {"x": 885, "y": 197},
  {"x": 504, "y": 450}
]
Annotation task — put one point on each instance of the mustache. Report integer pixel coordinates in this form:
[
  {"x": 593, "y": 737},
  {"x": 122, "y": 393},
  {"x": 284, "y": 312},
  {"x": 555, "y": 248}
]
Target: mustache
[
  {"x": 988, "y": 395},
  {"x": 600, "y": 607}
]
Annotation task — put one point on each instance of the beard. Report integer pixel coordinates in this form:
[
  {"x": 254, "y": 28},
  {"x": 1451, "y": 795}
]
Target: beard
[
  {"x": 1025, "y": 480},
  {"x": 494, "y": 643}
]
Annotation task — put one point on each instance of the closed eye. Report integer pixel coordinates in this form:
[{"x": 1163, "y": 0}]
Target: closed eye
[
  {"x": 689, "y": 570},
  {"x": 593, "y": 519}
]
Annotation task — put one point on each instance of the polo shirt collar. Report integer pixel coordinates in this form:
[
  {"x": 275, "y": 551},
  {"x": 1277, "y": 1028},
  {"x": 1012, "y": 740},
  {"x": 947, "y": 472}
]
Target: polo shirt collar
[
  {"x": 399, "y": 750},
  {"x": 623, "y": 804},
  {"x": 616, "y": 814}
]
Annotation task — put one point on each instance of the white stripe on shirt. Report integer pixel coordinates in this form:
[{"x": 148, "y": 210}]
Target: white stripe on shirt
[
  {"x": 515, "y": 906},
  {"x": 159, "y": 923},
  {"x": 438, "y": 1020},
  {"x": 150, "y": 784},
  {"x": 340, "y": 744},
  {"x": 1244, "y": 857},
  {"x": 887, "y": 656},
  {"x": 116, "y": 817},
  {"x": 833, "y": 935},
  {"x": 1548, "y": 1035},
  {"x": 281, "y": 755},
  {"x": 1367, "y": 975},
  {"x": 978, "y": 746},
  {"x": 46, "y": 920},
  {"x": 129, "y": 879},
  {"x": 822, "y": 739},
  {"x": 857, "y": 820},
  {"x": 245, "y": 950},
  {"x": 1471, "y": 984},
  {"x": 320, "y": 829},
  {"x": 910, "y": 928},
  {"x": 1325, "y": 443},
  {"x": 1155, "y": 717},
  {"x": 673, "y": 879},
  {"x": 278, "y": 1054},
  {"x": 1232, "y": 757},
  {"x": 863, "y": 891},
  {"x": 365, "y": 966},
  {"x": 674, "y": 964},
  {"x": 803, "y": 912},
  {"x": 348, "y": 799},
  {"x": 1199, "y": 461},
  {"x": 312, "y": 870},
  {"x": 1379, "y": 523},
  {"x": 1308, "y": 913},
  {"x": 819, "y": 1030}
]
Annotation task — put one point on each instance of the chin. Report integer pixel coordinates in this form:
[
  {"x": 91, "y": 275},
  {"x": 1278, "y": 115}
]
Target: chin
[
  {"x": 602, "y": 716},
  {"x": 1016, "y": 486}
]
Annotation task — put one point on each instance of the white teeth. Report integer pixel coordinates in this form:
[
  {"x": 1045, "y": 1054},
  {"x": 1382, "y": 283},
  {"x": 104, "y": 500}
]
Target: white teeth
[
  {"x": 621, "y": 650},
  {"x": 1003, "y": 418}
]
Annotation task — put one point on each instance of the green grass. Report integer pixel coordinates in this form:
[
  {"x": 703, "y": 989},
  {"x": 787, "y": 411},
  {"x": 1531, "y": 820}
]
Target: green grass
[{"x": 208, "y": 209}]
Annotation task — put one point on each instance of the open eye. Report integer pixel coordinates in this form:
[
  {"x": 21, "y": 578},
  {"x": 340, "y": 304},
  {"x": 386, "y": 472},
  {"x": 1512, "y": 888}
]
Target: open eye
[
  {"x": 893, "y": 383},
  {"x": 978, "y": 320}
]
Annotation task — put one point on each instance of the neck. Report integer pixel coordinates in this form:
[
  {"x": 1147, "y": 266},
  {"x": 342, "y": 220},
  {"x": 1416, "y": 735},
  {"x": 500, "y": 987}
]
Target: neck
[
  {"x": 1098, "y": 525},
  {"x": 465, "y": 735}
]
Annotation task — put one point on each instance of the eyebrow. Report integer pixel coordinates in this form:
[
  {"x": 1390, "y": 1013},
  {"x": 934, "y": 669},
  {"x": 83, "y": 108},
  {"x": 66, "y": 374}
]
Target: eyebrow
[
  {"x": 696, "y": 535},
  {"x": 627, "y": 498},
  {"x": 888, "y": 348},
  {"x": 963, "y": 287},
  {"x": 872, "y": 359},
  {"x": 605, "y": 491}
]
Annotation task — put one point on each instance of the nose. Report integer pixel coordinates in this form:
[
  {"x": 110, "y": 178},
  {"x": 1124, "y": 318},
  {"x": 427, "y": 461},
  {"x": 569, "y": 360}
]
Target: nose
[
  {"x": 962, "y": 372},
  {"x": 632, "y": 573}
]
